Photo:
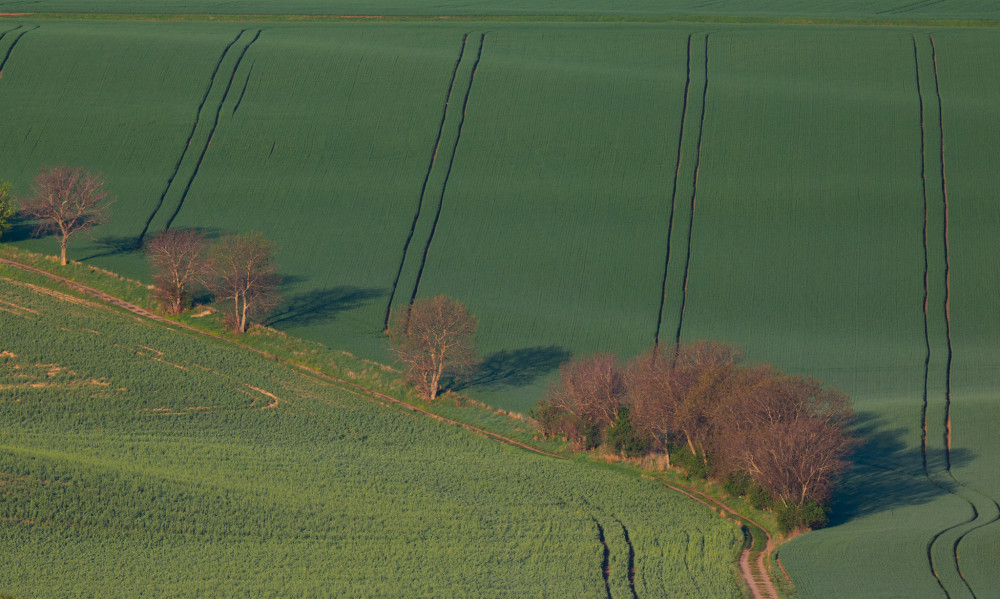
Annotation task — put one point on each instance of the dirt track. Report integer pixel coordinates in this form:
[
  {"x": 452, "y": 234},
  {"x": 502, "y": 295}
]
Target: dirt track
[{"x": 754, "y": 574}]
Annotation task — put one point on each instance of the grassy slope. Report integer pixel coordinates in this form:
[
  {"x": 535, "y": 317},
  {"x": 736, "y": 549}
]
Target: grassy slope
[
  {"x": 884, "y": 358},
  {"x": 131, "y": 453},
  {"x": 818, "y": 271},
  {"x": 564, "y": 154},
  {"x": 971, "y": 122}
]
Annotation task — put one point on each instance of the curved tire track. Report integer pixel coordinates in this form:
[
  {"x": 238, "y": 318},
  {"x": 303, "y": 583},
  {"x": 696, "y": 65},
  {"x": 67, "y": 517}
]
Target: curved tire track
[{"x": 943, "y": 547}]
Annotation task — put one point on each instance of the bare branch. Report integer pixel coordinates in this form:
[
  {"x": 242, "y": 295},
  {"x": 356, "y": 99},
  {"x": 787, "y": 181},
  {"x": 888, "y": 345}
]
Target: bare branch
[
  {"x": 66, "y": 201},
  {"x": 433, "y": 339}
]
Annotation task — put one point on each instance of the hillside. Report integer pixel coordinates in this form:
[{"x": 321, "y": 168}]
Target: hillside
[
  {"x": 819, "y": 194},
  {"x": 140, "y": 460}
]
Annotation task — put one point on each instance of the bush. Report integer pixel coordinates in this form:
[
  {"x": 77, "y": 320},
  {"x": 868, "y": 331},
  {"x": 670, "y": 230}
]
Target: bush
[
  {"x": 810, "y": 515},
  {"x": 553, "y": 421},
  {"x": 623, "y": 438},
  {"x": 758, "y": 497},
  {"x": 548, "y": 417},
  {"x": 737, "y": 484},
  {"x": 694, "y": 465},
  {"x": 741, "y": 484}
]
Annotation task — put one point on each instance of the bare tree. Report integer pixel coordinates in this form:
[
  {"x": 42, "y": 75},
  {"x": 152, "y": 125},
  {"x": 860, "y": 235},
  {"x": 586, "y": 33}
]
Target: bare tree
[
  {"x": 178, "y": 262},
  {"x": 433, "y": 339},
  {"x": 243, "y": 272},
  {"x": 654, "y": 394},
  {"x": 673, "y": 393},
  {"x": 592, "y": 388},
  {"x": 788, "y": 433},
  {"x": 66, "y": 201}
]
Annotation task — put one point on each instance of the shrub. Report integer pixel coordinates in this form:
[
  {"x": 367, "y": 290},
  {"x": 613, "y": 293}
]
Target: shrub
[
  {"x": 623, "y": 437},
  {"x": 809, "y": 515}
]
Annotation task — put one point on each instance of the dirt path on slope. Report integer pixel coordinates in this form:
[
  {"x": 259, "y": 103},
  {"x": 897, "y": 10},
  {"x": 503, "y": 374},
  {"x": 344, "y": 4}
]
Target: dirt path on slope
[
  {"x": 383, "y": 398},
  {"x": 755, "y": 574}
]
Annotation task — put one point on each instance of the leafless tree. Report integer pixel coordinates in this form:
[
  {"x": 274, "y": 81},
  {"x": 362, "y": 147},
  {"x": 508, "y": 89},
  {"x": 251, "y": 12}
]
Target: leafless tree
[
  {"x": 673, "y": 393},
  {"x": 66, "y": 201},
  {"x": 178, "y": 262},
  {"x": 592, "y": 388},
  {"x": 788, "y": 433},
  {"x": 654, "y": 394},
  {"x": 433, "y": 339},
  {"x": 243, "y": 272}
]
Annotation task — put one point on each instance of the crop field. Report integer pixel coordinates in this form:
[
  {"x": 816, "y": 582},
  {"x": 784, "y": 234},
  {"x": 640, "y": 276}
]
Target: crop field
[
  {"x": 879, "y": 10},
  {"x": 248, "y": 479},
  {"x": 822, "y": 195}
]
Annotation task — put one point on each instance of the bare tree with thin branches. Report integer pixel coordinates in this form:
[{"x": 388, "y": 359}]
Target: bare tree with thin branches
[
  {"x": 243, "y": 272},
  {"x": 66, "y": 201},
  {"x": 593, "y": 388},
  {"x": 178, "y": 262},
  {"x": 433, "y": 339}
]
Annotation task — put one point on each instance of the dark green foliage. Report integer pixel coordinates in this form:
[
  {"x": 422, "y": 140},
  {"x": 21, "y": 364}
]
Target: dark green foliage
[
  {"x": 7, "y": 207},
  {"x": 741, "y": 484},
  {"x": 548, "y": 418},
  {"x": 810, "y": 515},
  {"x": 737, "y": 483},
  {"x": 696, "y": 466},
  {"x": 623, "y": 438}
]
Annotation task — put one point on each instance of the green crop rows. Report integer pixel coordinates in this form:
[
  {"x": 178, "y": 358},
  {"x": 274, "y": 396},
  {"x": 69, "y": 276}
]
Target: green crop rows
[
  {"x": 138, "y": 460},
  {"x": 541, "y": 172},
  {"x": 877, "y": 10}
]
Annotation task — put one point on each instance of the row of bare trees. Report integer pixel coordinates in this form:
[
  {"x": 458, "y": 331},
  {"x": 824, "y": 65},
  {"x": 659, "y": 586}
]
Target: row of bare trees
[
  {"x": 237, "y": 269},
  {"x": 787, "y": 434}
]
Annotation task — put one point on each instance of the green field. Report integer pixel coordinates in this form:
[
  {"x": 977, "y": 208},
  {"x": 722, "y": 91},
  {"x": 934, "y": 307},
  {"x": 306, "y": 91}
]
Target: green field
[
  {"x": 608, "y": 9},
  {"x": 542, "y": 171},
  {"x": 141, "y": 461}
]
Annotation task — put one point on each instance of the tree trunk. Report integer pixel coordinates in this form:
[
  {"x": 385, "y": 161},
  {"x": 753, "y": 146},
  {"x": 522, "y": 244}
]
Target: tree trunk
[
  {"x": 243, "y": 315},
  {"x": 62, "y": 246},
  {"x": 694, "y": 452}
]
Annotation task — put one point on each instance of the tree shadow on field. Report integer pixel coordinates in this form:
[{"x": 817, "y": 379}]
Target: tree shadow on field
[
  {"x": 515, "y": 368},
  {"x": 320, "y": 305},
  {"x": 20, "y": 230},
  {"x": 887, "y": 472},
  {"x": 116, "y": 245}
]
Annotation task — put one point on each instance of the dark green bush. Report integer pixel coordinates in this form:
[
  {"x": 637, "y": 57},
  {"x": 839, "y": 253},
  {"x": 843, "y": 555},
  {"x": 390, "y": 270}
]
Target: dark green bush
[
  {"x": 623, "y": 437},
  {"x": 809, "y": 515}
]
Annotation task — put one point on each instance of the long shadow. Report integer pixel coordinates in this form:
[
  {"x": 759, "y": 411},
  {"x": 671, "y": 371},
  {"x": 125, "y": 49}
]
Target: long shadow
[
  {"x": 20, "y": 229},
  {"x": 320, "y": 305},
  {"x": 116, "y": 245},
  {"x": 887, "y": 473},
  {"x": 515, "y": 368}
]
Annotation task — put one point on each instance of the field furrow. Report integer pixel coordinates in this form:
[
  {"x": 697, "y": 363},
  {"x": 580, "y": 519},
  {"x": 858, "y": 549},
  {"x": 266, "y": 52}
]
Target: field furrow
[
  {"x": 631, "y": 559},
  {"x": 451, "y": 164},
  {"x": 10, "y": 49},
  {"x": 187, "y": 144},
  {"x": 673, "y": 194},
  {"x": 243, "y": 92},
  {"x": 427, "y": 176},
  {"x": 605, "y": 555},
  {"x": 211, "y": 131},
  {"x": 694, "y": 195}
]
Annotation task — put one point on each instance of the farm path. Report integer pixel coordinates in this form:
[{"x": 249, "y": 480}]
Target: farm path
[{"x": 754, "y": 573}]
